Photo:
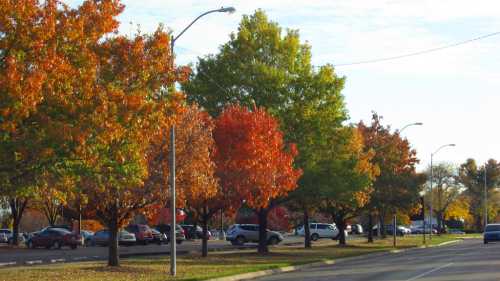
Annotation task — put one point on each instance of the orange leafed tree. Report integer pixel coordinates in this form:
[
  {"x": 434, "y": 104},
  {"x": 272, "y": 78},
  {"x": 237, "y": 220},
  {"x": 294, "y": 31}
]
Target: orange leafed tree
[
  {"x": 104, "y": 102},
  {"x": 196, "y": 185},
  {"x": 253, "y": 164}
]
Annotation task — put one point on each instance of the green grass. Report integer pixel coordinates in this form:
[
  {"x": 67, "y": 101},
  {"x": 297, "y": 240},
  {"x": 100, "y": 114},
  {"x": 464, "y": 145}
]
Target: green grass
[{"x": 218, "y": 264}]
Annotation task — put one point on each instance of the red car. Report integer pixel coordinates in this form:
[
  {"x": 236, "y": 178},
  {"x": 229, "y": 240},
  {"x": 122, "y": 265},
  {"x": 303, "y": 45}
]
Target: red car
[
  {"x": 54, "y": 238},
  {"x": 143, "y": 233}
]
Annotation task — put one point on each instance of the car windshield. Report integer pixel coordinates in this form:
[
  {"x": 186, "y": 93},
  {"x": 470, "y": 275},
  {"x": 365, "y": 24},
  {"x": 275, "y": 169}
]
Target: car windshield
[{"x": 490, "y": 228}]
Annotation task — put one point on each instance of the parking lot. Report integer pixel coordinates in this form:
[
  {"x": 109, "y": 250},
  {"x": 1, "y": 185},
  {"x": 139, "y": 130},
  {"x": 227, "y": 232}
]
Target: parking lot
[{"x": 24, "y": 256}]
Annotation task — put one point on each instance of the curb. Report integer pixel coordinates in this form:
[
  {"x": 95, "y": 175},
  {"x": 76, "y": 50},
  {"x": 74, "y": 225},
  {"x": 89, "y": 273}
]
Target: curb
[{"x": 269, "y": 272}]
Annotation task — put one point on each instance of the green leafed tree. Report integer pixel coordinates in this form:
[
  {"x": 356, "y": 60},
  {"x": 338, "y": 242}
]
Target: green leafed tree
[
  {"x": 265, "y": 65},
  {"x": 473, "y": 179},
  {"x": 446, "y": 189},
  {"x": 345, "y": 178}
]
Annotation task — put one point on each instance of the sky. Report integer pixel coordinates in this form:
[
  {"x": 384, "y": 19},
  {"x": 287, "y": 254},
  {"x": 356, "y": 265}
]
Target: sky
[{"x": 454, "y": 92}]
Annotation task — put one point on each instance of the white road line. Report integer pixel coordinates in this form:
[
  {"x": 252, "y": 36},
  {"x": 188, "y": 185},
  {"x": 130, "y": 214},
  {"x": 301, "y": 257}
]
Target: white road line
[
  {"x": 80, "y": 258},
  {"x": 429, "y": 272},
  {"x": 34, "y": 262},
  {"x": 8, "y": 263},
  {"x": 57, "y": 260}
]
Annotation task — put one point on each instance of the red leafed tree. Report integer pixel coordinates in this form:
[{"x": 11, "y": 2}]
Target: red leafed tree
[{"x": 253, "y": 163}]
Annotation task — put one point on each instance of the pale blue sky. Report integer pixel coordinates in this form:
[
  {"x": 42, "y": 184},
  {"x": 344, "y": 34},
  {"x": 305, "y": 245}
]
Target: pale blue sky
[{"x": 454, "y": 92}]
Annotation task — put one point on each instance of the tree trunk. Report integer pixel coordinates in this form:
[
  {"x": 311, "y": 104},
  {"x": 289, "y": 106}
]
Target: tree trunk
[
  {"x": 204, "y": 239},
  {"x": 113, "y": 255},
  {"x": 262, "y": 248},
  {"x": 382, "y": 226},
  {"x": 341, "y": 225},
  {"x": 307, "y": 230},
  {"x": 479, "y": 223},
  {"x": 17, "y": 206},
  {"x": 370, "y": 227}
]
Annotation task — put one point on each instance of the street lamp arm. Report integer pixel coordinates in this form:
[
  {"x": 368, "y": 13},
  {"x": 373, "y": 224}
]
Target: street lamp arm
[
  {"x": 441, "y": 147},
  {"x": 409, "y": 125},
  {"x": 229, "y": 10}
]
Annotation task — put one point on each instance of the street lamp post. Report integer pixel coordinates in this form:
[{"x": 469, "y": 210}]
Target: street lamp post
[
  {"x": 173, "y": 254},
  {"x": 394, "y": 220},
  {"x": 430, "y": 199},
  {"x": 485, "y": 199}
]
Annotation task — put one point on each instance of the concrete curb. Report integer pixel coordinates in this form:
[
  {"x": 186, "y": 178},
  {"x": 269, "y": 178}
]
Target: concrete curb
[{"x": 269, "y": 272}]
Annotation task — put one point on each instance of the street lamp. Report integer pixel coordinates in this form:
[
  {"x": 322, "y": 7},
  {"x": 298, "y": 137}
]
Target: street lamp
[
  {"x": 394, "y": 222},
  {"x": 173, "y": 254},
  {"x": 430, "y": 213}
]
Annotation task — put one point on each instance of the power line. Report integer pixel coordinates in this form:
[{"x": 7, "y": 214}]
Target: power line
[{"x": 419, "y": 52}]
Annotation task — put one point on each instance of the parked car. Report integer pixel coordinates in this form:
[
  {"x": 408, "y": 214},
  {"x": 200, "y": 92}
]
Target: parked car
[
  {"x": 239, "y": 234},
  {"x": 193, "y": 232},
  {"x": 455, "y": 231},
  {"x": 320, "y": 230},
  {"x": 420, "y": 230},
  {"x": 101, "y": 238},
  {"x": 5, "y": 235},
  {"x": 142, "y": 233},
  {"x": 357, "y": 229},
  {"x": 3, "y": 238},
  {"x": 491, "y": 233},
  {"x": 180, "y": 233},
  {"x": 86, "y": 237},
  {"x": 400, "y": 230},
  {"x": 54, "y": 238},
  {"x": 159, "y": 237}
]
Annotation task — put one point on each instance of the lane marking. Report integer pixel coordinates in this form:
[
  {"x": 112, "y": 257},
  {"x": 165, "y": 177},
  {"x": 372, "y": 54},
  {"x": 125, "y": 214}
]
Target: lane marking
[
  {"x": 8, "y": 263},
  {"x": 429, "y": 272},
  {"x": 57, "y": 260}
]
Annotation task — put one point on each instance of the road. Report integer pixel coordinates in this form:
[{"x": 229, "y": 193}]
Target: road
[
  {"x": 23, "y": 256},
  {"x": 468, "y": 260}
]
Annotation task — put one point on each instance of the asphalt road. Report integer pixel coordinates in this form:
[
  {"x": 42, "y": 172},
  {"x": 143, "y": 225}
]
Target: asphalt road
[{"x": 468, "y": 260}]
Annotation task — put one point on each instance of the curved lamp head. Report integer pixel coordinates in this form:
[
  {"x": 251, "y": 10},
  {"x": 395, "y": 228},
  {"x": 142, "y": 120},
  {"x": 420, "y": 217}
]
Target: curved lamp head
[{"x": 229, "y": 10}]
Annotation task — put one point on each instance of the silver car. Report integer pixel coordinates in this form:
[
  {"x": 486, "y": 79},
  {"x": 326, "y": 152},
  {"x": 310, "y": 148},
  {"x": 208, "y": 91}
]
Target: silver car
[{"x": 239, "y": 234}]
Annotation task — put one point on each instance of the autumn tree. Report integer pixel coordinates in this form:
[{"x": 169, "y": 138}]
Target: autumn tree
[
  {"x": 472, "y": 177},
  {"x": 196, "y": 184},
  {"x": 265, "y": 65},
  {"x": 446, "y": 190},
  {"x": 345, "y": 178},
  {"x": 253, "y": 161},
  {"x": 87, "y": 102},
  {"x": 398, "y": 185},
  {"x": 35, "y": 82}
]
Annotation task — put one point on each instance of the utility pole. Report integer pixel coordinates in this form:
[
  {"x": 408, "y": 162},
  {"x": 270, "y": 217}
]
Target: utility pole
[
  {"x": 173, "y": 253},
  {"x": 394, "y": 229},
  {"x": 485, "y": 199}
]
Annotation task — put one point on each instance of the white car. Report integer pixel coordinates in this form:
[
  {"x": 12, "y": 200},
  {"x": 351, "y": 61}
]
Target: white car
[{"x": 321, "y": 230}]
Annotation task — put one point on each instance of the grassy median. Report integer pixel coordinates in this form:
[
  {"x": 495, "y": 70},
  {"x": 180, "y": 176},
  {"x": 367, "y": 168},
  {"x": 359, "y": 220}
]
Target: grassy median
[{"x": 218, "y": 264}]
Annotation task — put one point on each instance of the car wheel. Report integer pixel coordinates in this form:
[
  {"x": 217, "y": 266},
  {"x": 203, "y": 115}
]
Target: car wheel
[
  {"x": 57, "y": 245},
  {"x": 485, "y": 241},
  {"x": 240, "y": 240},
  {"x": 178, "y": 242},
  {"x": 273, "y": 241},
  {"x": 73, "y": 247},
  {"x": 314, "y": 237}
]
